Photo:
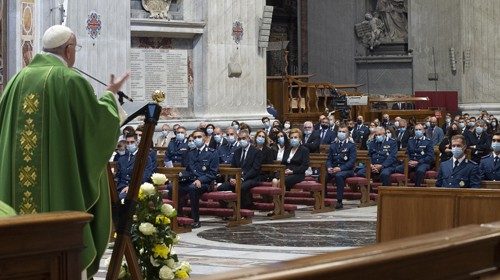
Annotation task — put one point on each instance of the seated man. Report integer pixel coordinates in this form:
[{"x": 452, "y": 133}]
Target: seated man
[
  {"x": 490, "y": 164},
  {"x": 201, "y": 170},
  {"x": 326, "y": 135},
  {"x": 226, "y": 152},
  {"x": 177, "y": 148},
  {"x": 311, "y": 138},
  {"x": 217, "y": 140},
  {"x": 383, "y": 154},
  {"x": 360, "y": 132},
  {"x": 434, "y": 132},
  {"x": 458, "y": 172},
  {"x": 125, "y": 167},
  {"x": 341, "y": 161},
  {"x": 249, "y": 159},
  {"x": 420, "y": 153},
  {"x": 478, "y": 140}
]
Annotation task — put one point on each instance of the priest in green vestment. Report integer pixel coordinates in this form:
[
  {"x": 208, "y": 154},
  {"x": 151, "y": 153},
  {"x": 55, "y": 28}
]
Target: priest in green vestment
[{"x": 56, "y": 138}]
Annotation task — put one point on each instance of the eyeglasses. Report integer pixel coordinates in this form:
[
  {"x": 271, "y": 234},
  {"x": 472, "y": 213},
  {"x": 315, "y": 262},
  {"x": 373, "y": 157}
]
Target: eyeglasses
[{"x": 78, "y": 47}]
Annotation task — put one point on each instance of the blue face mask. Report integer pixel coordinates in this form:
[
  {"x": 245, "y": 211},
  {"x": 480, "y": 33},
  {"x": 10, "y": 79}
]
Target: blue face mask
[
  {"x": 495, "y": 146},
  {"x": 180, "y": 137},
  {"x": 307, "y": 132},
  {"x": 231, "y": 139},
  {"x": 471, "y": 124},
  {"x": 403, "y": 129},
  {"x": 294, "y": 142},
  {"x": 342, "y": 136},
  {"x": 199, "y": 142},
  {"x": 121, "y": 153},
  {"x": 281, "y": 141},
  {"x": 419, "y": 133},
  {"x": 260, "y": 140},
  {"x": 380, "y": 138},
  {"x": 217, "y": 138},
  {"x": 461, "y": 125},
  {"x": 267, "y": 124},
  {"x": 191, "y": 145},
  {"x": 243, "y": 143},
  {"x": 210, "y": 131},
  {"x": 457, "y": 152},
  {"x": 479, "y": 130},
  {"x": 131, "y": 148}
]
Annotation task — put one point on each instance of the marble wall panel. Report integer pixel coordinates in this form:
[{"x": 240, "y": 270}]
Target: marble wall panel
[{"x": 28, "y": 31}]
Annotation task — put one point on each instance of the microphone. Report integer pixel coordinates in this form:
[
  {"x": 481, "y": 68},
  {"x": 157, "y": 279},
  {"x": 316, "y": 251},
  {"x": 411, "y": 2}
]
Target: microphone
[{"x": 121, "y": 94}]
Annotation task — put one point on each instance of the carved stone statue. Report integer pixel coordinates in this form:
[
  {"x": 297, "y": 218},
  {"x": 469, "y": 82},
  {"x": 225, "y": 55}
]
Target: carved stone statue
[
  {"x": 370, "y": 31},
  {"x": 394, "y": 14},
  {"x": 157, "y": 8}
]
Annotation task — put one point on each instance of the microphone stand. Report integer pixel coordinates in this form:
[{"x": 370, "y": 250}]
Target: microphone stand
[{"x": 121, "y": 94}]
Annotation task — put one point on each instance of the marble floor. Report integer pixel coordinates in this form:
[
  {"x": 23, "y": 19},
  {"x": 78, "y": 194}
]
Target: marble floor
[{"x": 214, "y": 248}]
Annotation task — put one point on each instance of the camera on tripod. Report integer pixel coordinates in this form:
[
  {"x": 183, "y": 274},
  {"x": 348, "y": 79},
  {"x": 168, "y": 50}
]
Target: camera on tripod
[{"x": 339, "y": 103}]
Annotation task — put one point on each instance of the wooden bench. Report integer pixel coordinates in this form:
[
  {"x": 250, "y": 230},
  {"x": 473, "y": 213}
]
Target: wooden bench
[
  {"x": 468, "y": 252},
  {"x": 404, "y": 212},
  {"x": 42, "y": 246}
]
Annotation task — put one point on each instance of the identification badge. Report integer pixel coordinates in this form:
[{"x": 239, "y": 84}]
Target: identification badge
[
  {"x": 422, "y": 153},
  {"x": 204, "y": 168},
  {"x": 345, "y": 157},
  {"x": 462, "y": 184}
]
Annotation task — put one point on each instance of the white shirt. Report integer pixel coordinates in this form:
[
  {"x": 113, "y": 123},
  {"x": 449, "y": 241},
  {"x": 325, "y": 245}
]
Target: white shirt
[
  {"x": 281, "y": 151},
  {"x": 292, "y": 153}
]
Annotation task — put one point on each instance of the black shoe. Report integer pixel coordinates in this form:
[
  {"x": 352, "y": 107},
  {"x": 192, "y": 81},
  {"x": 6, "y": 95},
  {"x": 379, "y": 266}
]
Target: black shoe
[
  {"x": 196, "y": 225},
  {"x": 339, "y": 205}
]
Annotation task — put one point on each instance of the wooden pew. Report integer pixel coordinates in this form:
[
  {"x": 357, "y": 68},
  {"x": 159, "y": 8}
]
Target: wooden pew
[
  {"x": 404, "y": 212},
  {"x": 468, "y": 252},
  {"x": 363, "y": 183},
  {"x": 484, "y": 184},
  {"x": 318, "y": 161},
  {"x": 42, "y": 246}
]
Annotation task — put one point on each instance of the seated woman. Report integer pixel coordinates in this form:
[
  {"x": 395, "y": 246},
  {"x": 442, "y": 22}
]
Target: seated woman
[
  {"x": 445, "y": 145},
  {"x": 261, "y": 142},
  {"x": 296, "y": 160},
  {"x": 281, "y": 145}
]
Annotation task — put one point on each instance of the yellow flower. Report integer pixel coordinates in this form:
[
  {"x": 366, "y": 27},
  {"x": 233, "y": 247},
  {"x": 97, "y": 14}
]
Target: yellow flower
[
  {"x": 142, "y": 194},
  {"x": 162, "y": 219},
  {"x": 161, "y": 250},
  {"x": 181, "y": 274}
]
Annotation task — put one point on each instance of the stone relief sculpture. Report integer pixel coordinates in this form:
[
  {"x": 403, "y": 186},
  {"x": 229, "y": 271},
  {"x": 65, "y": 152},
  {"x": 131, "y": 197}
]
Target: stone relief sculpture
[
  {"x": 157, "y": 8},
  {"x": 370, "y": 31},
  {"x": 394, "y": 14}
]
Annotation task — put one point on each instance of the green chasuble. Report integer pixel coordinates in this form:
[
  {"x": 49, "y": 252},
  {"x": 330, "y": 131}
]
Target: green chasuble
[{"x": 56, "y": 138}]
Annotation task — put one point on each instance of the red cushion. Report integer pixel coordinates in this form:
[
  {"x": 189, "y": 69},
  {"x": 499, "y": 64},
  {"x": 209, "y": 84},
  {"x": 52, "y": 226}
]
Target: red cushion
[
  {"x": 298, "y": 194},
  {"x": 266, "y": 190},
  {"x": 397, "y": 177},
  {"x": 357, "y": 181},
  {"x": 265, "y": 184},
  {"x": 221, "y": 212},
  {"x": 219, "y": 196},
  {"x": 308, "y": 186},
  {"x": 431, "y": 174},
  {"x": 184, "y": 221},
  {"x": 269, "y": 207}
]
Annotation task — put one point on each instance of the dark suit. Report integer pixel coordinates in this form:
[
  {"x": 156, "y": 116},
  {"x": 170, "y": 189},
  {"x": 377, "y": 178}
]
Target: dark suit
[
  {"x": 420, "y": 150},
  {"x": 482, "y": 143},
  {"x": 226, "y": 152},
  {"x": 402, "y": 106},
  {"x": 402, "y": 138},
  {"x": 384, "y": 153},
  {"x": 299, "y": 163},
  {"x": 465, "y": 175},
  {"x": 343, "y": 155},
  {"x": 250, "y": 173},
  {"x": 202, "y": 165},
  {"x": 490, "y": 171},
  {"x": 328, "y": 136},
  {"x": 360, "y": 134},
  {"x": 312, "y": 141},
  {"x": 176, "y": 151},
  {"x": 215, "y": 145},
  {"x": 125, "y": 166}
]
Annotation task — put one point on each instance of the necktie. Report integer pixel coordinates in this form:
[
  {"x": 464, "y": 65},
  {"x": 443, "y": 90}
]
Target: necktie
[
  {"x": 399, "y": 105},
  {"x": 456, "y": 164},
  {"x": 496, "y": 160},
  {"x": 323, "y": 132},
  {"x": 243, "y": 156}
]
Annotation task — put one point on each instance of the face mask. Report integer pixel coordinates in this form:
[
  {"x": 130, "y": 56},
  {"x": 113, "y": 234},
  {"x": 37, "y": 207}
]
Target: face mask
[
  {"x": 386, "y": 120},
  {"x": 495, "y": 146},
  {"x": 164, "y": 133},
  {"x": 180, "y": 137},
  {"x": 479, "y": 130},
  {"x": 342, "y": 136},
  {"x": 236, "y": 127},
  {"x": 121, "y": 152},
  {"x": 294, "y": 142},
  {"x": 281, "y": 141},
  {"x": 493, "y": 123},
  {"x": 243, "y": 143},
  {"x": 418, "y": 134},
  {"x": 471, "y": 124},
  {"x": 260, "y": 140},
  {"x": 428, "y": 124},
  {"x": 389, "y": 135},
  {"x": 231, "y": 139},
  {"x": 287, "y": 125},
  {"x": 332, "y": 123},
  {"x": 380, "y": 138},
  {"x": 307, "y": 132},
  {"x": 396, "y": 123},
  {"x": 402, "y": 129},
  {"x": 448, "y": 120},
  {"x": 217, "y": 138},
  {"x": 198, "y": 142},
  {"x": 132, "y": 148},
  {"x": 325, "y": 126},
  {"x": 191, "y": 144},
  {"x": 210, "y": 131},
  {"x": 457, "y": 152},
  {"x": 138, "y": 138},
  {"x": 372, "y": 129},
  {"x": 266, "y": 124},
  {"x": 461, "y": 125},
  {"x": 359, "y": 122},
  {"x": 433, "y": 125}
]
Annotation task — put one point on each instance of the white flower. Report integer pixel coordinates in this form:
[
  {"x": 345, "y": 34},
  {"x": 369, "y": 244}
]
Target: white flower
[
  {"x": 154, "y": 262},
  {"x": 123, "y": 272},
  {"x": 159, "y": 179},
  {"x": 184, "y": 265},
  {"x": 166, "y": 273},
  {"x": 147, "y": 228},
  {"x": 148, "y": 189},
  {"x": 171, "y": 263},
  {"x": 168, "y": 210},
  {"x": 176, "y": 239}
]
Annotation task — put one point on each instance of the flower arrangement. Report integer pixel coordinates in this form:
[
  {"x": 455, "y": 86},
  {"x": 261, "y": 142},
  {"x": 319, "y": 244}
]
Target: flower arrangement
[{"x": 153, "y": 237}]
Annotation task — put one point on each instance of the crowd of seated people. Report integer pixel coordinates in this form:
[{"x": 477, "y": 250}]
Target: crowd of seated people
[{"x": 468, "y": 149}]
